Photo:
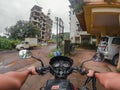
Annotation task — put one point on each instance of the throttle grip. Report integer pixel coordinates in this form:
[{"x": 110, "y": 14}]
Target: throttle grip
[{"x": 83, "y": 71}]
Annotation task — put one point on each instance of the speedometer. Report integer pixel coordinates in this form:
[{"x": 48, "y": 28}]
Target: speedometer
[
  {"x": 56, "y": 64},
  {"x": 66, "y": 64}
]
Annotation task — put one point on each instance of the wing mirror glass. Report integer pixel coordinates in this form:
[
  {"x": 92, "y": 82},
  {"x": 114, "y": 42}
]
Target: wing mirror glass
[{"x": 23, "y": 54}]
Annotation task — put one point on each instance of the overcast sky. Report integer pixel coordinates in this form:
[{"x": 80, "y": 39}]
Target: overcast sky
[{"x": 13, "y": 10}]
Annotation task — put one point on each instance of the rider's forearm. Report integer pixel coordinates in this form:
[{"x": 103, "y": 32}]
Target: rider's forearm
[
  {"x": 109, "y": 80},
  {"x": 13, "y": 80},
  {"x": 102, "y": 78},
  {"x": 20, "y": 77}
]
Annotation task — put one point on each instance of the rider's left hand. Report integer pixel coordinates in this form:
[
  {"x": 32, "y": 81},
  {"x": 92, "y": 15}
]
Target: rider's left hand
[{"x": 32, "y": 70}]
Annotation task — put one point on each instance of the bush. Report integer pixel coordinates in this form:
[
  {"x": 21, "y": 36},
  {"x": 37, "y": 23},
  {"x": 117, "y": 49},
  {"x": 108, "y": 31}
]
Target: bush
[
  {"x": 7, "y": 43},
  {"x": 88, "y": 46},
  {"x": 84, "y": 44}
]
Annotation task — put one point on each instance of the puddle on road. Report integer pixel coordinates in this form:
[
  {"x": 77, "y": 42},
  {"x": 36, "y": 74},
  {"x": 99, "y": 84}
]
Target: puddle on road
[
  {"x": 16, "y": 63},
  {"x": 1, "y": 65},
  {"x": 7, "y": 66},
  {"x": 10, "y": 65}
]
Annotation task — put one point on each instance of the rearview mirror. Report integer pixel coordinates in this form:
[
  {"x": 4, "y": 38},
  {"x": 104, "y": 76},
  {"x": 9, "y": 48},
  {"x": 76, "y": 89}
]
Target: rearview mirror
[{"x": 23, "y": 54}]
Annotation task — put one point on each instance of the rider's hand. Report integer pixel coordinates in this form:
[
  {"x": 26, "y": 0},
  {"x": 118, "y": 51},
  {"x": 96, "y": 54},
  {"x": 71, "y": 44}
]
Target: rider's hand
[
  {"x": 91, "y": 73},
  {"x": 32, "y": 70}
]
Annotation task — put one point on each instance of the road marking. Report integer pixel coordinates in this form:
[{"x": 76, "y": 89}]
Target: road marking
[
  {"x": 1, "y": 63},
  {"x": 8, "y": 65}
]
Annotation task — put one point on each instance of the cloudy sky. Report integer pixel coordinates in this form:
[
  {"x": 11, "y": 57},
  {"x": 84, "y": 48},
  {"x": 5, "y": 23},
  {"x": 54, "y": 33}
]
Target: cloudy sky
[{"x": 13, "y": 10}]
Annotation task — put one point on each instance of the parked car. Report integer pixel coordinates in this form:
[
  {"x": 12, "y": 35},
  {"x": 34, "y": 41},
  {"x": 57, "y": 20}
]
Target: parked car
[{"x": 109, "y": 47}]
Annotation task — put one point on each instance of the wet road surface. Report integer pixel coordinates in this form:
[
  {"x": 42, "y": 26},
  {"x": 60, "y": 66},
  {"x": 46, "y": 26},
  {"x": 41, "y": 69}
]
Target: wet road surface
[
  {"x": 37, "y": 81},
  {"x": 11, "y": 61}
]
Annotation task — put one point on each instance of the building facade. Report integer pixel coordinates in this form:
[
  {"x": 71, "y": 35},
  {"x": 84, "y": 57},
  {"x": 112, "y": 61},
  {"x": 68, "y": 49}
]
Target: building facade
[
  {"x": 44, "y": 23},
  {"x": 99, "y": 17},
  {"x": 77, "y": 34}
]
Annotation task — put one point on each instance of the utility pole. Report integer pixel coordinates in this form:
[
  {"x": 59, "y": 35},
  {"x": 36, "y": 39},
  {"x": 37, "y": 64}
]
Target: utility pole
[
  {"x": 60, "y": 30},
  {"x": 57, "y": 31}
]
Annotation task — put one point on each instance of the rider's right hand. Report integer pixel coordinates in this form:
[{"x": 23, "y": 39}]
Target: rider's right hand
[{"x": 90, "y": 73}]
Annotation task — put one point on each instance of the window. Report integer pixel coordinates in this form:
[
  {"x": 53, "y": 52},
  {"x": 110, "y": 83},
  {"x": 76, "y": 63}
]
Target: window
[
  {"x": 116, "y": 41},
  {"x": 26, "y": 42},
  {"x": 104, "y": 39}
]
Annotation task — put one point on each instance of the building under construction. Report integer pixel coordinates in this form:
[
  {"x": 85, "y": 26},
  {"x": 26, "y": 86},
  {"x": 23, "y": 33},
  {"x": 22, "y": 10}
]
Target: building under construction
[{"x": 44, "y": 23}]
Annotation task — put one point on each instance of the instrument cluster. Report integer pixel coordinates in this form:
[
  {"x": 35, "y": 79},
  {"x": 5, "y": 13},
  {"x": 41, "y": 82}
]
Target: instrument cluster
[{"x": 61, "y": 63}]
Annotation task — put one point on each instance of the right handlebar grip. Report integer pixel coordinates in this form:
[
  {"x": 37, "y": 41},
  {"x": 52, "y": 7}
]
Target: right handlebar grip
[{"x": 83, "y": 71}]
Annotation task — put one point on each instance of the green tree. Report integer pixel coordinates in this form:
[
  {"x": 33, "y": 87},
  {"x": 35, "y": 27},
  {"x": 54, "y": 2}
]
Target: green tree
[{"x": 22, "y": 29}]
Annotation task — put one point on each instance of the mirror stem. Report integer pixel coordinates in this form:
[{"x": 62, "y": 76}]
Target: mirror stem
[{"x": 38, "y": 60}]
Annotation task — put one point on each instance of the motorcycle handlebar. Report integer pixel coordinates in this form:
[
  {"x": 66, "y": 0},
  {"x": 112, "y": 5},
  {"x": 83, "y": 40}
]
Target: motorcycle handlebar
[
  {"x": 38, "y": 60},
  {"x": 42, "y": 70}
]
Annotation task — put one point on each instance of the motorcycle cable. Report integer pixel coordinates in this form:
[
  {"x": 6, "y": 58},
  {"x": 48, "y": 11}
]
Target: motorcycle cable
[
  {"x": 84, "y": 87},
  {"x": 38, "y": 60}
]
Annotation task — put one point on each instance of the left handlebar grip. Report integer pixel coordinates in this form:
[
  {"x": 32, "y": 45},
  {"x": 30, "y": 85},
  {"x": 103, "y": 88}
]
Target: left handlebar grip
[{"x": 39, "y": 70}]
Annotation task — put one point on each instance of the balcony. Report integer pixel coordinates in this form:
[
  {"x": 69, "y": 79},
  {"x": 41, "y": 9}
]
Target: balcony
[{"x": 102, "y": 19}]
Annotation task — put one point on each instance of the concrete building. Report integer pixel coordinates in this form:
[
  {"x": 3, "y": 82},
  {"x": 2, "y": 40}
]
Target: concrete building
[
  {"x": 98, "y": 17},
  {"x": 44, "y": 22},
  {"x": 77, "y": 34}
]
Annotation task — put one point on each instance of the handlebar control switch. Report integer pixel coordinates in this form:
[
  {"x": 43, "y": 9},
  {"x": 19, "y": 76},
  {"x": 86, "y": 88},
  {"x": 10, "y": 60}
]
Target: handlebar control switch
[{"x": 40, "y": 70}]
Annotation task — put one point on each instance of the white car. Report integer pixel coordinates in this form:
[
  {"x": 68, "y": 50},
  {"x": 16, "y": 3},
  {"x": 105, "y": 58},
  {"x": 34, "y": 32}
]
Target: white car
[{"x": 109, "y": 47}]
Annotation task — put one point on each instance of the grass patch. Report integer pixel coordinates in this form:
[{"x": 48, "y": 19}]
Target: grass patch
[{"x": 51, "y": 54}]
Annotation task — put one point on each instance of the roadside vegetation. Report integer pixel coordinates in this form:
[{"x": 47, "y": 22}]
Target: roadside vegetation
[
  {"x": 8, "y": 44},
  {"x": 85, "y": 44},
  {"x": 21, "y": 30},
  {"x": 88, "y": 46},
  {"x": 16, "y": 33}
]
